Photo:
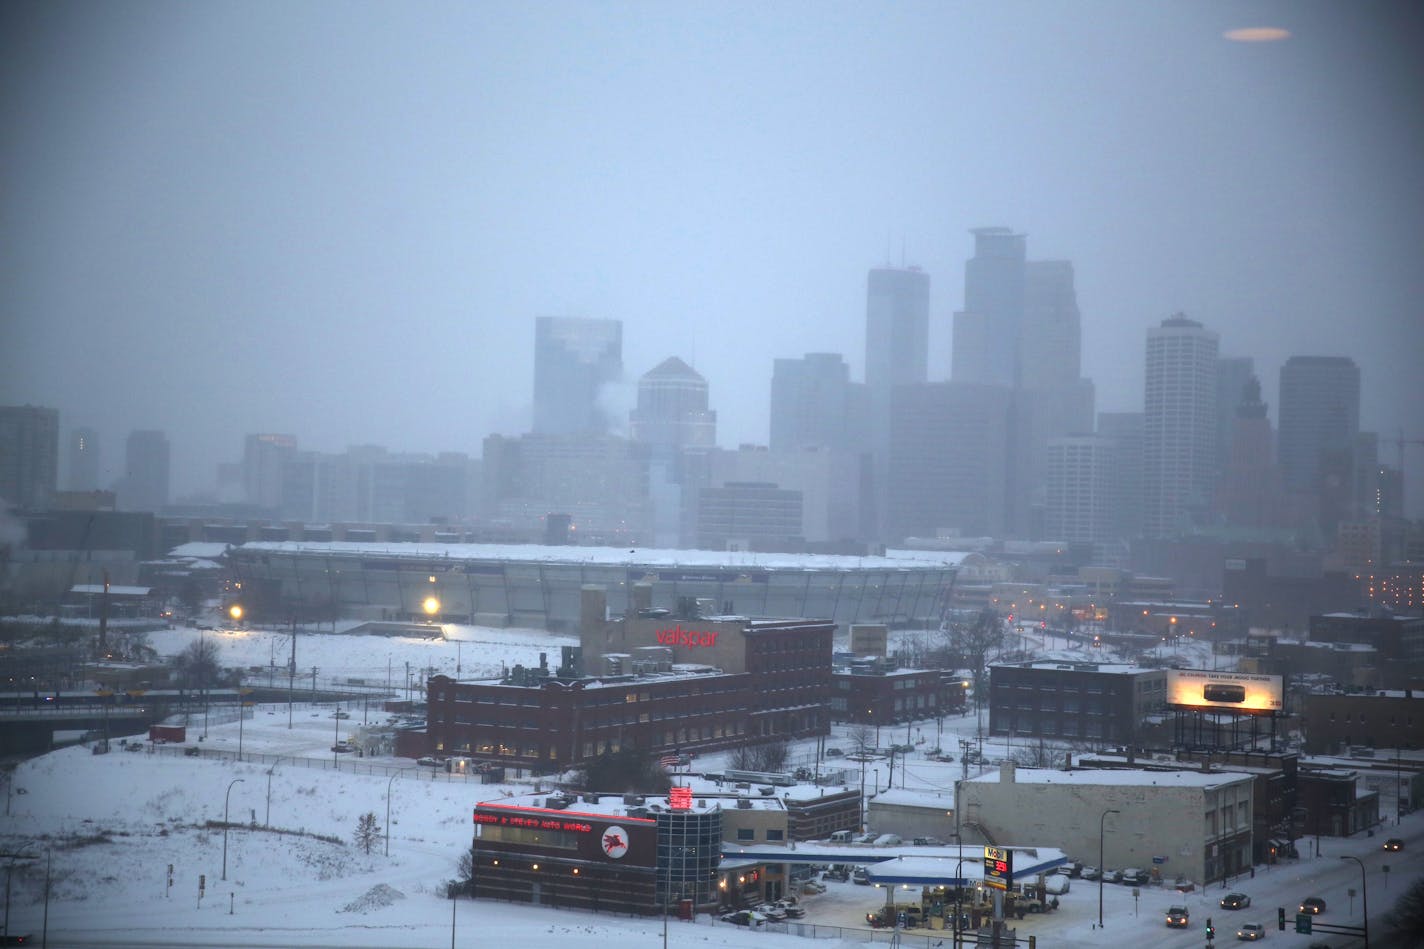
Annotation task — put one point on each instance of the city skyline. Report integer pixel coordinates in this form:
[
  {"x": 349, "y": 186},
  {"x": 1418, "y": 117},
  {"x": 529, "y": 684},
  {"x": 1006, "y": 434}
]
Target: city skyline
[{"x": 278, "y": 239}]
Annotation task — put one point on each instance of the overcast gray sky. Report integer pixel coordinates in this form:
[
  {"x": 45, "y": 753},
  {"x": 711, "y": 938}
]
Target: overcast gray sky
[{"x": 340, "y": 219}]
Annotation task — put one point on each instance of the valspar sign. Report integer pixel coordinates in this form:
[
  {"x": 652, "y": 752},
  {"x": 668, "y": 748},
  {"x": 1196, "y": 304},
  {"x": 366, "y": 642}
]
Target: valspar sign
[
  {"x": 1243, "y": 691},
  {"x": 677, "y": 636}
]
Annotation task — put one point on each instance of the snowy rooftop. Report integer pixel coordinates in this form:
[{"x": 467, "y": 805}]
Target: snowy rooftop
[
  {"x": 1132, "y": 779},
  {"x": 620, "y": 556},
  {"x": 203, "y": 550}
]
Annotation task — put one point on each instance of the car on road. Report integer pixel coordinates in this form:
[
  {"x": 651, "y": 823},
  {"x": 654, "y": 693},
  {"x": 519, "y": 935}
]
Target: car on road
[
  {"x": 1250, "y": 932},
  {"x": 834, "y": 753},
  {"x": 1394, "y": 844},
  {"x": 1313, "y": 905},
  {"x": 1178, "y": 917},
  {"x": 340, "y": 714},
  {"x": 1235, "y": 901}
]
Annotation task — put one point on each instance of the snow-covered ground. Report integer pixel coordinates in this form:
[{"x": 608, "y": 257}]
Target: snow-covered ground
[{"x": 108, "y": 827}]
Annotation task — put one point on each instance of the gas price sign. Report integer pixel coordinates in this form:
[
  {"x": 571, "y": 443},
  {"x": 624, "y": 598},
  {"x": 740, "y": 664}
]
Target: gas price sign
[{"x": 998, "y": 867}]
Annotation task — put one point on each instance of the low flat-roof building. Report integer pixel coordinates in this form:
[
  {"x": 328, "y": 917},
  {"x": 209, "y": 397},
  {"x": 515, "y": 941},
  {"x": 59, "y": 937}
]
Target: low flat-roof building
[
  {"x": 1182, "y": 824},
  {"x": 1098, "y": 702}
]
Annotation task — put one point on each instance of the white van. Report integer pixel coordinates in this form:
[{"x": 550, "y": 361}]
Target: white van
[{"x": 841, "y": 837}]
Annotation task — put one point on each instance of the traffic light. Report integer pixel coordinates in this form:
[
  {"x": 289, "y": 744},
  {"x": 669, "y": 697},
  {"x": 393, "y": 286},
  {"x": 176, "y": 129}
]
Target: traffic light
[
  {"x": 1210, "y": 931},
  {"x": 1281, "y": 918}
]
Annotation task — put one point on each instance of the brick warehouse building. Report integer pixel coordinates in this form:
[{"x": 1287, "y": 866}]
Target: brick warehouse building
[{"x": 647, "y": 680}]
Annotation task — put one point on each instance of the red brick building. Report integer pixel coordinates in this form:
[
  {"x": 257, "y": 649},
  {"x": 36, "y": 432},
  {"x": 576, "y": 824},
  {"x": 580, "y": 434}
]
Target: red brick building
[{"x": 650, "y": 681}]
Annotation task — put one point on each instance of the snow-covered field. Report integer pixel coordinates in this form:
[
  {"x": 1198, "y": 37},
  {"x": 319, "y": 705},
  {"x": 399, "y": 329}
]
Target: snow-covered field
[{"x": 107, "y": 828}]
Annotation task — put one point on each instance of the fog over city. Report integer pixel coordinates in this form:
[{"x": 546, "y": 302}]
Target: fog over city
[{"x": 341, "y": 221}]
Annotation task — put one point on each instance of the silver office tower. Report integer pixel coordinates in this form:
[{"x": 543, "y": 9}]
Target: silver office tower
[
  {"x": 574, "y": 361},
  {"x": 1179, "y": 437},
  {"x": 897, "y": 347}
]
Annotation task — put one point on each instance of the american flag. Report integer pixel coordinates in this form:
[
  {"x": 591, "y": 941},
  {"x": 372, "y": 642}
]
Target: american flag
[{"x": 669, "y": 760}]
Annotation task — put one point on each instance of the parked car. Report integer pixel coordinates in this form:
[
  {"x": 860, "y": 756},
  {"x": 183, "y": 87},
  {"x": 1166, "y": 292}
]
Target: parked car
[
  {"x": 1178, "y": 917},
  {"x": 812, "y": 888},
  {"x": 1090, "y": 873},
  {"x": 1313, "y": 905},
  {"x": 834, "y": 753},
  {"x": 839, "y": 872},
  {"x": 744, "y": 917},
  {"x": 1394, "y": 844},
  {"x": 860, "y": 875},
  {"x": 1136, "y": 877},
  {"x": 1250, "y": 932},
  {"x": 1237, "y": 901},
  {"x": 340, "y": 714},
  {"x": 771, "y": 911},
  {"x": 1112, "y": 876}
]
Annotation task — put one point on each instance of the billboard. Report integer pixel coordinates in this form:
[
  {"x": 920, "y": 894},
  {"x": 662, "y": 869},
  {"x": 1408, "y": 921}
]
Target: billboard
[{"x": 1238, "y": 691}]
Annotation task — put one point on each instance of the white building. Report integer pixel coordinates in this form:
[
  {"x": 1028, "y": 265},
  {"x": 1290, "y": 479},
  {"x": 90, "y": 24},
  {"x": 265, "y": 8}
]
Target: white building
[{"x": 1188, "y": 825}]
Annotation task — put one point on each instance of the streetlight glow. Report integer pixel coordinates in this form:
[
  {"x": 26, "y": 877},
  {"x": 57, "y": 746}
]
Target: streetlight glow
[
  {"x": 235, "y": 611},
  {"x": 431, "y": 605}
]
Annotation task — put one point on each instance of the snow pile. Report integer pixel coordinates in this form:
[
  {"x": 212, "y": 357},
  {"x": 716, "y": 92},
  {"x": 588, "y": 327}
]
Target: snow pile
[{"x": 377, "y": 897}]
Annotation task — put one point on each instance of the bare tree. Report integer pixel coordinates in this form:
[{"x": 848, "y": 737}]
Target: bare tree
[
  {"x": 862, "y": 739},
  {"x": 368, "y": 832},
  {"x": 197, "y": 664},
  {"x": 973, "y": 642}
]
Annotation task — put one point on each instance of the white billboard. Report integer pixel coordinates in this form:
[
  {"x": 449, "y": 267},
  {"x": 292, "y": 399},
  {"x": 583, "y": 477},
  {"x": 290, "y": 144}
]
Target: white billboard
[{"x": 1240, "y": 691}]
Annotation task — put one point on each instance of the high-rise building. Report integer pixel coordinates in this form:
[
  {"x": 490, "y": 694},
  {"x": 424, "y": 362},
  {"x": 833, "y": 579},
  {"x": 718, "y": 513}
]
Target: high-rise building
[
  {"x": 575, "y": 360},
  {"x": 1021, "y": 328},
  {"x": 1125, "y": 429},
  {"x": 672, "y": 411},
  {"x": 815, "y": 405},
  {"x": 986, "y": 332},
  {"x": 897, "y": 327},
  {"x": 263, "y": 458},
  {"x": 1179, "y": 437},
  {"x": 947, "y": 457},
  {"x": 1081, "y": 506},
  {"x": 1249, "y": 492},
  {"x": 83, "y": 460},
  {"x": 897, "y": 342},
  {"x": 1319, "y": 419},
  {"x": 146, "y": 471},
  {"x": 29, "y": 456},
  {"x": 1233, "y": 373}
]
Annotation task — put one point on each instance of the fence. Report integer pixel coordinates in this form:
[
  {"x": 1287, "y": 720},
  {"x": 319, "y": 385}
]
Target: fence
[{"x": 335, "y": 762}]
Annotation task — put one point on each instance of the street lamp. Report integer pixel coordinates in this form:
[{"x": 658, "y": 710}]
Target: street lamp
[
  {"x": 388, "y": 811},
  {"x": 1364, "y": 897},
  {"x": 226, "y": 798},
  {"x": 431, "y": 606},
  {"x": 1102, "y": 823}
]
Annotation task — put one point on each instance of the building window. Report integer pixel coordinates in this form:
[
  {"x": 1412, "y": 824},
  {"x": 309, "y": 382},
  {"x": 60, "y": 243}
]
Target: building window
[
  {"x": 746, "y": 833},
  {"x": 776, "y": 835}
]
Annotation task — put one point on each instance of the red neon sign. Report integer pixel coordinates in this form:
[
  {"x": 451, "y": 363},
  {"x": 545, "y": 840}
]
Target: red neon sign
[
  {"x": 680, "y": 799},
  {"x": 677, "y": 636}
]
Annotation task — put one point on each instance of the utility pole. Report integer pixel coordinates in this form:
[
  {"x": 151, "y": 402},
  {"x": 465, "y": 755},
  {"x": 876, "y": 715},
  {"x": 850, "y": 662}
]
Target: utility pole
[{"x": 292, "y": 673}]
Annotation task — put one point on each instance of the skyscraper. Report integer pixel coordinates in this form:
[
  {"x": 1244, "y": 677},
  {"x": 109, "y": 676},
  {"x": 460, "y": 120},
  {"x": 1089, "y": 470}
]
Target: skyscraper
[
  {"x": 897, "y": 328},
  {"x": 897, "y": 343},
  {"x": 1232, "y": 375},
  {"x": 1081, "y": 505},
  {"x": 1319, "y": 418},
  {"x": 1021, "y": 329},
  {"x": 815, "y": 405},
  {"x": 1125, "y": 431},
  {"x": 29, "y": 456},
  {"x": 575, "y": 360},
  {"x": 1179, "y": 436},
  {"x": 146, "y": 471},
  {"x": 83, "y": 460},
  {"x": 672, "y": 410},
  {"x": 263, "y": 457},
  {"x": 986, "y": 332}
]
